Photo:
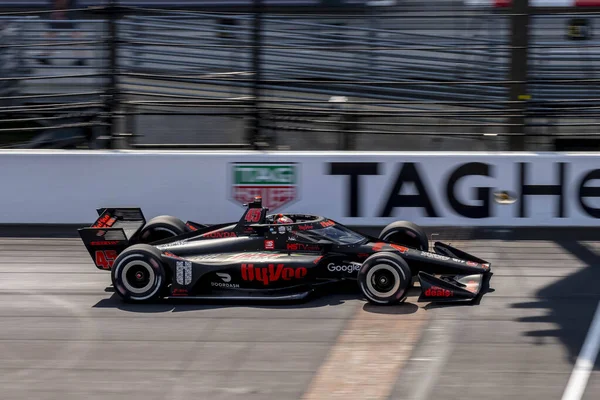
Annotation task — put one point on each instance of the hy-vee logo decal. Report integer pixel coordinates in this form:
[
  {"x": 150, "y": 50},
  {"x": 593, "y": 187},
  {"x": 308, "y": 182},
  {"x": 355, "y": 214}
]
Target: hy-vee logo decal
[
  {"x": 184, "y": 273},
  {"x": 271, "y": 273},
  {"x": 276, "y": 183}
]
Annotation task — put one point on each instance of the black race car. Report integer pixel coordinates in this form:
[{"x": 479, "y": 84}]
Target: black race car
[{"x": 277, "y": 257}]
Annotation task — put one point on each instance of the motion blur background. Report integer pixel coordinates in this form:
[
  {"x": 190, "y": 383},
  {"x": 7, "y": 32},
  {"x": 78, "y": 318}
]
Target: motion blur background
[
  {"x": 452, "y": 75},
  {"x": 301, "y": 75}
]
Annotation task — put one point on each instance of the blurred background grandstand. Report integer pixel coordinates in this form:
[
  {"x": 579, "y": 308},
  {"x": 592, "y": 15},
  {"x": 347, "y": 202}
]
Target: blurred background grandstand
[{"x": 300, "y": 75}]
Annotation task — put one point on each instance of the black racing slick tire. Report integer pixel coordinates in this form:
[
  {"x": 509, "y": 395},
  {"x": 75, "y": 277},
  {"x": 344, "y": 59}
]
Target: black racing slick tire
[
  {"x": 406, "y": 233},
  {"x": 162, "y": 227},
  {"x": 385, "y": 279},
  {"x": 138, "y": 274}
]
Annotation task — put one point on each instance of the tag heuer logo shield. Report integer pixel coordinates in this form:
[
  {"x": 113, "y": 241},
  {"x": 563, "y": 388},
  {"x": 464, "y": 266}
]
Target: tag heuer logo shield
[{"x": 276, "y": 183}]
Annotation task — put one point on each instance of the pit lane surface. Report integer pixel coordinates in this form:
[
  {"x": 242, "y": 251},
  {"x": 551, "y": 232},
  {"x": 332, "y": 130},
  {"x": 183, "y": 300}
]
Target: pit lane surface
[{"x": 63, "y": 336}]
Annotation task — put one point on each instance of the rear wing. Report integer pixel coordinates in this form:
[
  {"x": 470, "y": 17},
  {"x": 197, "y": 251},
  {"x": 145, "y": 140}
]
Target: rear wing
[{"x": 113, "y": 231}]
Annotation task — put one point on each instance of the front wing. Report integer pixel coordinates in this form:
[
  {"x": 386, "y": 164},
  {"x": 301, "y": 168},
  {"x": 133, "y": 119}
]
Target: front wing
[
  {"x": 456, "y": 288},
  {"x": 469, "y": 285}
]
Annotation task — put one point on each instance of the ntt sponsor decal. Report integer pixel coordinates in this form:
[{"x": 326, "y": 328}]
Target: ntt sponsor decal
[{"x": 344, "y": 268}]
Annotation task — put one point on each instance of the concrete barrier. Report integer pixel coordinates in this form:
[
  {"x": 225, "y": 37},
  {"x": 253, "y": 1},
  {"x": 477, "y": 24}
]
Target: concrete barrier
[{"x": 358, "y": 189}]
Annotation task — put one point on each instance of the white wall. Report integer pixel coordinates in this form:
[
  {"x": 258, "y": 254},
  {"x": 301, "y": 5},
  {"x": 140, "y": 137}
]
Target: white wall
[{"x": 67, "y": 186}]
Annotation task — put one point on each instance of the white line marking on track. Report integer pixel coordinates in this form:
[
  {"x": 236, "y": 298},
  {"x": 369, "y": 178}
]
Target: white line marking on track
[{"x": 585, "y": 361}]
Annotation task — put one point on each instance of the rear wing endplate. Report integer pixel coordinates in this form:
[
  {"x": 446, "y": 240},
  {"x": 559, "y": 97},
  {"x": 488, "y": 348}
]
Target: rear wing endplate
[{"x": 112, "y": 232}]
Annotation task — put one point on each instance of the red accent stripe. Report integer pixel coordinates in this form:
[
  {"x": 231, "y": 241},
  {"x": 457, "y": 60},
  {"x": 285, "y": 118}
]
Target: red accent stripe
[
  {"x": 575, "y": 3},
  {"x": 263, "y": 186},
  {"x": 587, "y": 3}
]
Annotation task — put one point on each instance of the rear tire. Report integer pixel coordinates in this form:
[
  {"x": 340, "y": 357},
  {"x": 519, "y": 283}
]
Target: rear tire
[
  {"x": 385, "y": 279},
  {"x": 162, "y": 227},
  {"x": 138, "y": 274},
  {"x": 406, "y": 233}
]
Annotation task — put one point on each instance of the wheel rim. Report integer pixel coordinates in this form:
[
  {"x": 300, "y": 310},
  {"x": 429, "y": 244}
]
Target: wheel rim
[
  {"x": 138, "y": 277},
  {"x": 383, "y": 280}
]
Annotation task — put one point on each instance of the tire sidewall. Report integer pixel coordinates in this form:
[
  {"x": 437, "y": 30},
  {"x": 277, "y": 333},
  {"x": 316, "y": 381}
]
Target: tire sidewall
[
  {"x": 149, "y": 231},
  {"x": 399, "y": 269},
  {"x": 172, "y": 226},
  {"x": 414, "y": 232},
  {"x": 148, "y": 261}
]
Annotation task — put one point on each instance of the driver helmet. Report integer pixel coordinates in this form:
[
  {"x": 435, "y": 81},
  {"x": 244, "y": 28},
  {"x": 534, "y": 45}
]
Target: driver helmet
[{"x": 282, "y": 219}]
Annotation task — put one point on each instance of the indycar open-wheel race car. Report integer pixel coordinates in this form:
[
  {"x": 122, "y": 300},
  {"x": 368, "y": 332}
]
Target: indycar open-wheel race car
[{"x": 277, "y": 257}]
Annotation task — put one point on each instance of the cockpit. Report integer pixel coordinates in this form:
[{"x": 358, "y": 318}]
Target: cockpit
[
  {"x": 290, "y": 219},
  {"x": 336, "y": 234}
]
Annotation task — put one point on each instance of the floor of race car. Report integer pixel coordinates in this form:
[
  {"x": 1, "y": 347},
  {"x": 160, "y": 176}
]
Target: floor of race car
[{"x": 62, "y": 336}]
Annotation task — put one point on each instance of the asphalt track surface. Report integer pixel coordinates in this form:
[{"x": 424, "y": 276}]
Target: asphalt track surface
[{"x": 64, "y": 335}]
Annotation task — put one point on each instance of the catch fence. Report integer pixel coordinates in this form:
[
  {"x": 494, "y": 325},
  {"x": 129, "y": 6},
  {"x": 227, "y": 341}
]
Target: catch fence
[{"x": 448, "y": 76}]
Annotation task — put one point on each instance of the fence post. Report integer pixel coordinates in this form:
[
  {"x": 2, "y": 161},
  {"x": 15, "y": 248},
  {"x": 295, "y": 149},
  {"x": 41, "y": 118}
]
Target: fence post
[
  {"x": 255, "y": 126},
  {"x": 112, "y": 95},
  {"x": 519, "y": 41}
]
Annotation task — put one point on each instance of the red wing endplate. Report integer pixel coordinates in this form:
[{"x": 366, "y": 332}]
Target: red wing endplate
[
  {"x": 111, "y": 233},
  {"x": 455, "y": 288}
]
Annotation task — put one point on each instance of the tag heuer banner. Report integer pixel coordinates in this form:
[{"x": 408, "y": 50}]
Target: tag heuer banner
[{"x": 353, "y": 188}]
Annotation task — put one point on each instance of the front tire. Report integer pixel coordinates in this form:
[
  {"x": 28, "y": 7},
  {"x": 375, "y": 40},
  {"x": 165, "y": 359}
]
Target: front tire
[
  {"x": 138, "y": 274},
  {"x": 385, "y": 278},
  {"x": 406, "y": 233}
]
